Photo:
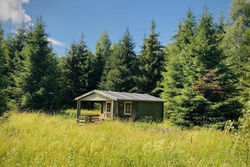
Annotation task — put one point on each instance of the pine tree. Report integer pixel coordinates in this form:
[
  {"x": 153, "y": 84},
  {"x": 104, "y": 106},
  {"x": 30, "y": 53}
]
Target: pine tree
[
  {"x": 3, "y": 78},
  {"x": 150, "y": 64},
  {"x": 13, "y": 48},
  {"x": 40, "y": 77},
  {"x": 181, "y": 100},
  {"x": 92, "y": 80},
  {"x": 206, "y": 43},
  {"x": 77, "y": 73},
  {"x": 236, "y": 45},
  {"x": 120, "y": 68},
  {"x": 217, "y": 81},
  {"x": 103, "y": 51},
  {"x": 199, "y": 87}
]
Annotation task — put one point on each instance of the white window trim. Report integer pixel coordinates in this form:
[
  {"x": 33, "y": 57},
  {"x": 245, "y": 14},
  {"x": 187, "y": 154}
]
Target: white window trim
[
  {"x": 125, "y": 108},
  {"x": 110, "y": 107}
]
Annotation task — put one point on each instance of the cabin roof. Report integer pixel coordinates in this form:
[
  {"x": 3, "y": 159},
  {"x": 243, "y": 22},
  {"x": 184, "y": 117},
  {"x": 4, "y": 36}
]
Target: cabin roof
[{"x": 122, "y": 96}]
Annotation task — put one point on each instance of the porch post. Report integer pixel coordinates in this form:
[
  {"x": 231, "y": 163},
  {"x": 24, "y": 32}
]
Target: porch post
[
  {"x": 78, "y": 108},
  {"x": 101, "y": 107},
  {"x": 112, "y": 110}
]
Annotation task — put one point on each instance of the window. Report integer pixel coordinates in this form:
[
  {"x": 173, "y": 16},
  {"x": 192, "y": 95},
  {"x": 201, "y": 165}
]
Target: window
[
  {"x": 108, "y": 107},
  {"x": 127, "y": 108}
]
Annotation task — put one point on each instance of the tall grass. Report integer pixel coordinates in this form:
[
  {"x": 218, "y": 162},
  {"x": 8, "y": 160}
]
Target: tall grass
[
  {"x": 30, "y": 139},
  {"x": 71, "y": 113}
]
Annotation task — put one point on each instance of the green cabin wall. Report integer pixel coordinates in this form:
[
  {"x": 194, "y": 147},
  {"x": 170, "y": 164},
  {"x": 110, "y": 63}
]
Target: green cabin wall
[
  {"x": 142, "y": 111},
  {"x": 150, "y": 111},
  {"x": 121, "y": 109}
]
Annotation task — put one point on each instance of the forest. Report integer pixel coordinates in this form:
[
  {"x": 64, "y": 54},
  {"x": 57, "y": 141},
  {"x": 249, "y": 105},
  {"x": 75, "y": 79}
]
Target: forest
[{"x": 203, "y": 74}]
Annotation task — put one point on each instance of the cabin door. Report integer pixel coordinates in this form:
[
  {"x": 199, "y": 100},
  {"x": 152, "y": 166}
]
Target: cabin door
[
  {"x": 109, "y": 109},
  {"x": 120, "y": 109}
]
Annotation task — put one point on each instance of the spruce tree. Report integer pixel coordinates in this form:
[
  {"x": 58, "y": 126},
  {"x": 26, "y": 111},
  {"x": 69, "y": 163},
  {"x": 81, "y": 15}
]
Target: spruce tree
[
  {"x": 77, "y": 73},
  {"x": 13, "y": 47},
  {"x": 236, "y": 45},
  {"x": 40, "y": 76},
  {"x": 216, "y": 81},
  {"x": 181, "y": 100},
  {"x": 103, "y": 84},
  {"x": 120, "y": 68},
  {"x": 3, "y": 78},
  {"x": 92, "y": 80},
  {"x": 150, "y": 64},
  {"x": 103, "y": 51},
  {"x": 198, "y": 86}
]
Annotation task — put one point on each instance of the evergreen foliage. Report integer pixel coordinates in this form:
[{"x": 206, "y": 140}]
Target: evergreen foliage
[
  {"x": 217, "y": 83},
  {"x": 181, "y": 100},
  {"x": 3, "y": 77},
  {"x": 120, "y": 69},
  {"x": 151, "y": 63},
  {"x": 198, "y": 86},
  {"x": 103, "y": 51},
  {"x": 77, "y": 72},
  {"x": 41, "y": 73},
  {"x": 13, "y": 48},
  {"x": 203, "y": 75},
  {"x": 236, "y": 45}
]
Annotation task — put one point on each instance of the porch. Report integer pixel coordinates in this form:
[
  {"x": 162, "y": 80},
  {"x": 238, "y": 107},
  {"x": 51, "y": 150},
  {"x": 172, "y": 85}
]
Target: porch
[
  {"x": 121, "y": 105},
  {"x": 107, "y": 109}
]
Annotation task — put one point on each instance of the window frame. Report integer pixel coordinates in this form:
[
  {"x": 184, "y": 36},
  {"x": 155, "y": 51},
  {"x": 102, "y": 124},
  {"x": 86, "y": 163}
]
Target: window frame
[
  {"x": 125, "y": 113},
  {"x": 107, "y": 107}
]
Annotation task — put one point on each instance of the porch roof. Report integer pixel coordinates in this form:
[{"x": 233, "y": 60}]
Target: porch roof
[{"x": 122, "y": 96}]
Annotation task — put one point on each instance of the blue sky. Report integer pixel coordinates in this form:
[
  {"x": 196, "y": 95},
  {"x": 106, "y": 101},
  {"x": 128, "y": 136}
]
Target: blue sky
[{"x": 66, "y": 20}]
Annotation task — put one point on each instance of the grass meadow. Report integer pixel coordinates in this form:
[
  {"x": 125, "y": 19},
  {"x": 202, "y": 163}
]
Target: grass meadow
[{"x": 37, "y": 139}]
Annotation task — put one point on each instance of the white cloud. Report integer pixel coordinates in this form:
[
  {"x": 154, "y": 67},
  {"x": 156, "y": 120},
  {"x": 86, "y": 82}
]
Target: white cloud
[
  {"x": 55, "y": 42},
  {"x": 13, "y": 10}
]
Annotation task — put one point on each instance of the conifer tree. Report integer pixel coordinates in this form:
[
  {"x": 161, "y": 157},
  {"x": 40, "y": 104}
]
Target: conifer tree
[
  {"x": 3, "y": 78},
  {"x": 150, "y": 64},
  {"x": 15, "y": 66},
  {"x": 103, "y": 51},
  {"x": 121, "y": 66},
  {"x": 181, "y": 100},
  {"x": 236, "y": 45},
  {"x": 216, "y": 81},
  {"x": 77, "y": 72},
  {"x": 40, "y": 77},
  {"x": 198, "y": 86},
  {"x": 92, "y": 80},
  {"x": 103, "y": 84}
]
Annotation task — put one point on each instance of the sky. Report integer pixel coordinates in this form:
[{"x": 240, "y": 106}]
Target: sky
[{"x": 66, "y": 20}]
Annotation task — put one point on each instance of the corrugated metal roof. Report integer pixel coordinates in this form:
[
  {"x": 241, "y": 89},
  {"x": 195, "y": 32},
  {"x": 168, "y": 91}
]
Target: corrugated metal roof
[{"x": 123, "y": 96}]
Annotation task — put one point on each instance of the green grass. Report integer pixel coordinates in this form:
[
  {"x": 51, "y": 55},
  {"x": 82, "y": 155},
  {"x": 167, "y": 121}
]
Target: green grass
[
  {"x": 35, "y": 139},
  {"x": 71, "y": 113}
]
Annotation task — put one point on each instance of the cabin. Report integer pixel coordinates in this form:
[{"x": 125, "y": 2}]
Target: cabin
[{"x": 123, "y": 105}]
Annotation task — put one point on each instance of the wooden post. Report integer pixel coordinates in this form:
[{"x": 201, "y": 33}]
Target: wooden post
[
  {"x": 112, "y": 110},
  {"x": 162, "y": 117},
  {"x": 116, "y": 110},
  {"x": 101, "y": 107},
  {"x": 78, "y": 109}
]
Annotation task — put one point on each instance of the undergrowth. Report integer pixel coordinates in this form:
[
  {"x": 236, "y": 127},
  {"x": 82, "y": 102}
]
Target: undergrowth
[{"x": 37, "y": 139}]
